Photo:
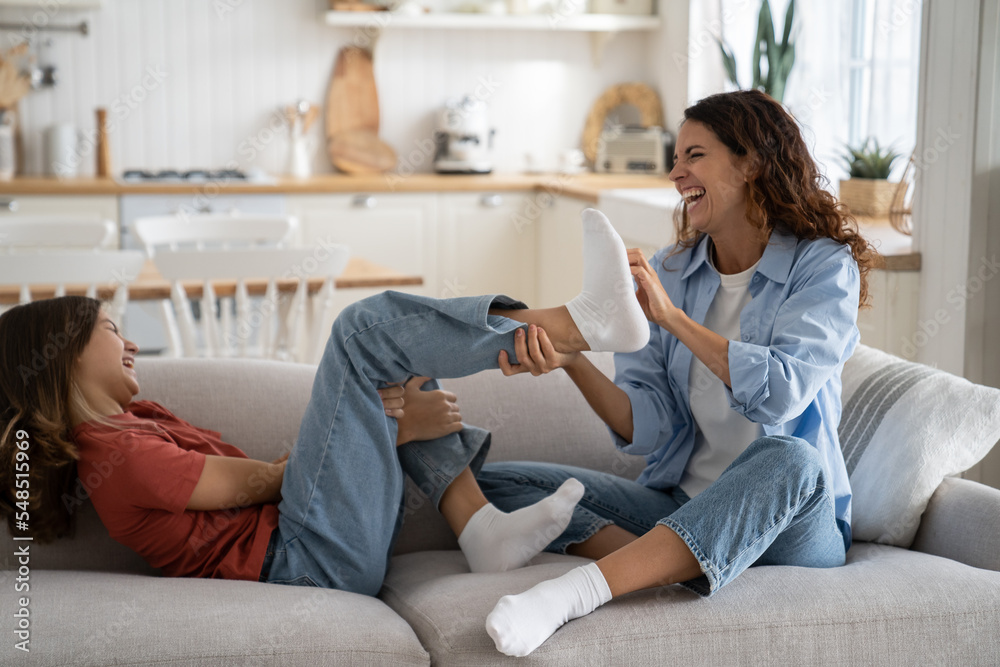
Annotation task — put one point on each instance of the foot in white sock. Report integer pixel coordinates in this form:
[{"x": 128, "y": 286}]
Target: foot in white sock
[
  {"x": 606, "y": 310},
  {"x": 521, "y": 623},
  {"x": 495, "y": 541}
]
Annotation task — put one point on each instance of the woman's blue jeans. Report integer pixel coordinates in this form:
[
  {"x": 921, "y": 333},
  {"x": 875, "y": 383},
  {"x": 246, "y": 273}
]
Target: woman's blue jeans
[{"x": 342, "y": 492}]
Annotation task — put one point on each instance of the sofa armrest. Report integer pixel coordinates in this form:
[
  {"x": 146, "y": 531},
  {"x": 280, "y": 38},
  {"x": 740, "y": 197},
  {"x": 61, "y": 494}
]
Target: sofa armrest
[{"x": 962, "y": 522}]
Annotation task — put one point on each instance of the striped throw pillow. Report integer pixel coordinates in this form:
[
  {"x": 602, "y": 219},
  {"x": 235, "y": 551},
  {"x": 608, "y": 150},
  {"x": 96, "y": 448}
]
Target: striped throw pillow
[{"x": 904, "y": 428}]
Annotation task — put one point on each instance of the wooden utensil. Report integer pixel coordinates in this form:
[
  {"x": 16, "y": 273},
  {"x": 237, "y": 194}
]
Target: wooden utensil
[
  {"x": 351, "y": 100},
  {"x": 360, "y": 152},
  {"x": 103, "y": 147}
]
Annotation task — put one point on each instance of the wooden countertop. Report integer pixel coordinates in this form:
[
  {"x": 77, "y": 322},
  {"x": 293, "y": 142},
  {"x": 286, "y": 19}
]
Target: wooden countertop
[{"x": 583, "y": 186}]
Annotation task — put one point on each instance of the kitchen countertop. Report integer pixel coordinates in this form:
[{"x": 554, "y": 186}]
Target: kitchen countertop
[
  {"x": 895, "y": 247},
  {"x": 584, "y": 186}
]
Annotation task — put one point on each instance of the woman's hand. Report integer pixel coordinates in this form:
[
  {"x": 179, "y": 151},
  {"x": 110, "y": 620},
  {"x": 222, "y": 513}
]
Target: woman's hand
[
  {"x": 653, "y": 299},
  {"x": 421, "y": 415},
  {"x": 535, "y": 354}
]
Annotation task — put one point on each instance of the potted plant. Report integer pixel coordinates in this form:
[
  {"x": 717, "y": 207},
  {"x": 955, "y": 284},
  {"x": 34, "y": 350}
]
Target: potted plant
[
  {"x": 868, "y": 191},
  {"x": 772, "y": 60}
]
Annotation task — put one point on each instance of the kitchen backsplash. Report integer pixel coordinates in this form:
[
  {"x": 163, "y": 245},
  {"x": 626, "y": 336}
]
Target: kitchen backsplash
[{"x": 193, "y": 83}]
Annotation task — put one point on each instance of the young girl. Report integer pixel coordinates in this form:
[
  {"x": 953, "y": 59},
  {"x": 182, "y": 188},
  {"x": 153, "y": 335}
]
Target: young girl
[{"x": 327, "y": 516}]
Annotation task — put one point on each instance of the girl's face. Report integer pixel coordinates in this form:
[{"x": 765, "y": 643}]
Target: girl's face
[
  {"x": 104, "y": 371},
  {"x": 711, "y": 179}
]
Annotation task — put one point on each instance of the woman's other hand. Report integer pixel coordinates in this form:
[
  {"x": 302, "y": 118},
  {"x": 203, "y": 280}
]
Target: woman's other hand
[
  {"x": 535, "y": 354},
  {"x": 653, "y": 299},
  {"x": 421, "y": 415}
]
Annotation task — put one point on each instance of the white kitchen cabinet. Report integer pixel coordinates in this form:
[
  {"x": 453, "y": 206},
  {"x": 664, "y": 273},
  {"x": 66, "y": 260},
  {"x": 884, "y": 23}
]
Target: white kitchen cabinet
[
  {"x": 486, "y": 246},
  {"x": 398, "y": 231},
  {"x": 891, "y": 323},
  {"x": 560, "y": 248},
  {"x": 84, "y": 207}
]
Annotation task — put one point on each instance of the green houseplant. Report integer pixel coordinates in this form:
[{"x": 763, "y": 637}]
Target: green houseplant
[
  {"x": 777, "y": 56},
  {"x": 868, "y": 191}
]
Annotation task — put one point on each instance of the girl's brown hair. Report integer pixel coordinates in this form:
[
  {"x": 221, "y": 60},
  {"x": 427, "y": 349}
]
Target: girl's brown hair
[
  {"x": 39, "y": 342},
  {"x": 785, "y": 187}
]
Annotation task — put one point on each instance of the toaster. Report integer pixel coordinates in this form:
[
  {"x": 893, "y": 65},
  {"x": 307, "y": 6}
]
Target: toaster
[{"x": 631, "y": 150}]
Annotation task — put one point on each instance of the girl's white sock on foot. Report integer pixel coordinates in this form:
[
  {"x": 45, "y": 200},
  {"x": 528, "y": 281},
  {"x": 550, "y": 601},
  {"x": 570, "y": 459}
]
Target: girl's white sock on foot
[
  {"x": 520, "y": 623},
  {"x": 606, "y": 310},
  {"x": 495, "y": 541}
]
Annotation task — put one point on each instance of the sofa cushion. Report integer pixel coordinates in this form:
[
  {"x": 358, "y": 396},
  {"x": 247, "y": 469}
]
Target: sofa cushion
[
  {"x": 885, "y": 606},
  {"x": 904, "y": 428},
  {"x": 90, "y": 618}
]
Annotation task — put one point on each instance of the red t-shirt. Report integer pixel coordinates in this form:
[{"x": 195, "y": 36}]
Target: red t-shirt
[{"x": 140, "y": 482}]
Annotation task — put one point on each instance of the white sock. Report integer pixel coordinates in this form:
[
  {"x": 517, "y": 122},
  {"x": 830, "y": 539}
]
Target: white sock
[
  {"x": 606, "y": 310},
  {"x": 520, "y": 623},
  {"x": 495, "y": 541}
]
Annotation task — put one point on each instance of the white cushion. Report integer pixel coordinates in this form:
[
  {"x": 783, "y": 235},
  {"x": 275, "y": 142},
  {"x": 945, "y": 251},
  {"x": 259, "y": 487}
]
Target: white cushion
[{"x": 905, "y": 427}]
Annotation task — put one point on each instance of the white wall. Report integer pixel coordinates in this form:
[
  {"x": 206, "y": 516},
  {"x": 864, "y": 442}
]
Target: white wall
[
  {"x": 956, "y": 208},
  {"x": 226, "y": 74}
]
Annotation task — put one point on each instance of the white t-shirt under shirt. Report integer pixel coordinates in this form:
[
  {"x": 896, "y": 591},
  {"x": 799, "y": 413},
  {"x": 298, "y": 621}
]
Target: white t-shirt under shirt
[{"x": 722, "y": 433}]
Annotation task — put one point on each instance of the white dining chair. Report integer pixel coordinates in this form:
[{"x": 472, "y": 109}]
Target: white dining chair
[
  {"x": 95, "y": 269},
  {"x": 239, "y": 247},
  {"x": 273, "y": 327},
  {"x": 214, "y": 231},
  {"x": 60, "y": 251},
  {"x": 41, "y": 233}
]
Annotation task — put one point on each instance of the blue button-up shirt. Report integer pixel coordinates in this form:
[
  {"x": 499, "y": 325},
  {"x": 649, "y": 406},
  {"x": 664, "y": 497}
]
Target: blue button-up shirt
[{"x": 795, "y": 335}]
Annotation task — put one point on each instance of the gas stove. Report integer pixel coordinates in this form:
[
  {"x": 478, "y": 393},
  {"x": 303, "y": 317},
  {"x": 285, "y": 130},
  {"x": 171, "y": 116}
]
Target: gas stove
[{"x": 178, "y": 176}]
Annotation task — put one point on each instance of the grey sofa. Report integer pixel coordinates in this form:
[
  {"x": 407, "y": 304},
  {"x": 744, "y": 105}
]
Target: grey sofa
[{"x": 93, "y": 602}]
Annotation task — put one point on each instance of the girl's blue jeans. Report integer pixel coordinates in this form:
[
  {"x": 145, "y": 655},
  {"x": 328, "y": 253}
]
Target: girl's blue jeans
[{"x": 342, "y": 492}]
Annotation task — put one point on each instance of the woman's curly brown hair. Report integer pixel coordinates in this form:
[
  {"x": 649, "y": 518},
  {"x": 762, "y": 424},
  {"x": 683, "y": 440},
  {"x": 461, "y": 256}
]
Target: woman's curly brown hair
[{"x": 785, "y": 188}]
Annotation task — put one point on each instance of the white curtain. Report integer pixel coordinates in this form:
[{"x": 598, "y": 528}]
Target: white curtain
[{"x": 855, "y": 74}]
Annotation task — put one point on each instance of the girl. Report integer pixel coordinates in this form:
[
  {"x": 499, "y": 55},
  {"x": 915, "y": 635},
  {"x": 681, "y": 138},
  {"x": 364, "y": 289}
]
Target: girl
[
  {"x": 327, "y": 516},
  {"x": 734, "y": 401}
]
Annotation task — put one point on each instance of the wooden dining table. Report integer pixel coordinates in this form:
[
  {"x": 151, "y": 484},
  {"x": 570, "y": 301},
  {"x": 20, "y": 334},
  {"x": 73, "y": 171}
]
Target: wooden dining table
[{"x": 151, "y": 286}]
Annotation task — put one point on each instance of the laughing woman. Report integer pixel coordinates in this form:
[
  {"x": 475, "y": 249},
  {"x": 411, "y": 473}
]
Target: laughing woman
[
  {"x": 328, "y": 515},
  {"x": 735, "y": 400}
]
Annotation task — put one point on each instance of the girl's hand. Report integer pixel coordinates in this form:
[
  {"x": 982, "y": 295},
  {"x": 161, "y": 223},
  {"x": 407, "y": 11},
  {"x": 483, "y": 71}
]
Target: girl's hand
[
  {"x": 535, "y": 354},
  {"x": 653, "y": 299},
  {"x": 427, "y": 414},
  {"x": 392, "y": 400}
]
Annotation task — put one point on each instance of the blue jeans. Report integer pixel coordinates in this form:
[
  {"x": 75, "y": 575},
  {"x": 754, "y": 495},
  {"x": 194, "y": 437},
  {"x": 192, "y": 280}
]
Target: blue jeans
[
  {"x": 342, "y": 493},
  {"x": 769, "y": 507},
  {"x": 343, "y": 486}
]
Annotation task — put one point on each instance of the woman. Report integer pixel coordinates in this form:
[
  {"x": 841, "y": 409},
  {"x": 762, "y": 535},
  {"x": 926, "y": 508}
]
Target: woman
[
  {"x": 735, "y": 400},
  {"x": 327, "y": 516}
]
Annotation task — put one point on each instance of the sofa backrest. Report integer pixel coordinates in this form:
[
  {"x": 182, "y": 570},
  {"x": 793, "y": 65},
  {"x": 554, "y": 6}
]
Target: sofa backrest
[{"x": 257, "y": 406}]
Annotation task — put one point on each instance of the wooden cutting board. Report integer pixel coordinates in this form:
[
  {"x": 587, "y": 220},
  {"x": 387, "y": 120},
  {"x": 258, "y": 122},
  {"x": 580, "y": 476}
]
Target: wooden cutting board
[
  {"x": 351, "y": 99},
  {"x": 360, "y": 152}
]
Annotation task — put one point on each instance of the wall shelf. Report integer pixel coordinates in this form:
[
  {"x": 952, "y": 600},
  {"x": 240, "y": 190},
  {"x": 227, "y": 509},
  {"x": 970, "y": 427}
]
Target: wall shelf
[
  {"x": 601, "y": 27},
  {"x": 579, "y": 23}
]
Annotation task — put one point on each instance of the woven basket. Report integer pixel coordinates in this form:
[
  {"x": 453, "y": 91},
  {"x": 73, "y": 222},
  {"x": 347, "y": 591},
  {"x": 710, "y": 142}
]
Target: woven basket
[{"x": 868, "y": 196}]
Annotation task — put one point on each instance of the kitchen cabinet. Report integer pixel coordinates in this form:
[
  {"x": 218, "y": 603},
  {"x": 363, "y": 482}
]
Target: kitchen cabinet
[
  {"x": 891, "y": 323},
  {"x": 485, "y": 245},
  {"x": 84, "y": 207},
  {"x": 395, "y": 230},
  {"x": 560, "y": 248}
]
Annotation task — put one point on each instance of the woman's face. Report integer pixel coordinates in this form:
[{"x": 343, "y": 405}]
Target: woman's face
[
  {"x": 710, "y": 178},
  {"x": 104, "y": 371}
]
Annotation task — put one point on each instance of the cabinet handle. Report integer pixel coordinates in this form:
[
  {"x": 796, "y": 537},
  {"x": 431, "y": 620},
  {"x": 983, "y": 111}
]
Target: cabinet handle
[
  {"x": 490, "y": 201},
  {"x": 363, "y": 201},
  {"x": 9, "y": 205}
]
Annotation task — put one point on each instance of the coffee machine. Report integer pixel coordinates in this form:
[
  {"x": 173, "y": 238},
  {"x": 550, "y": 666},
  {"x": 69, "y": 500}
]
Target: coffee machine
[{"x": 463, "y": 139}]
